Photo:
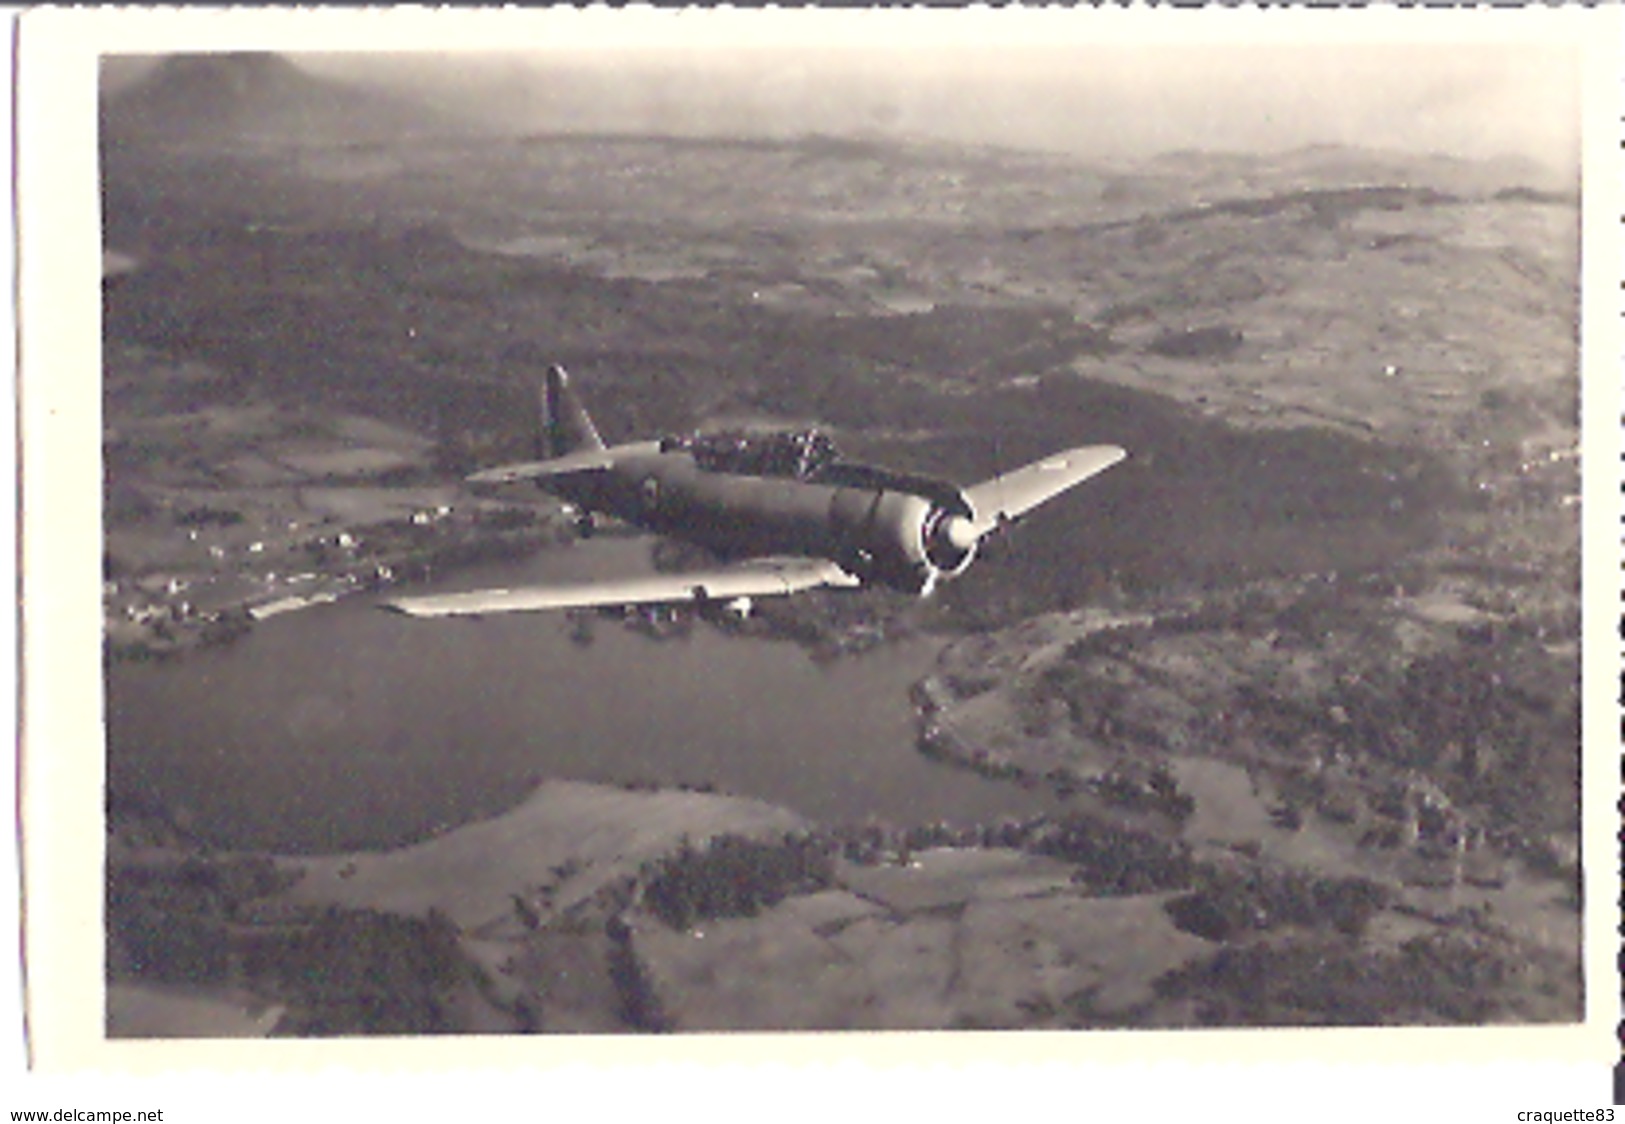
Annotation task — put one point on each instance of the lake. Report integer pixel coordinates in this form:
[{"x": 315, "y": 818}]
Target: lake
[{"x": 342, "y": 727}]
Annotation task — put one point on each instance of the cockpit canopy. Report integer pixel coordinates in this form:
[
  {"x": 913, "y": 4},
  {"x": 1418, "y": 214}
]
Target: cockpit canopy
[{"x": 796, "y": 454}]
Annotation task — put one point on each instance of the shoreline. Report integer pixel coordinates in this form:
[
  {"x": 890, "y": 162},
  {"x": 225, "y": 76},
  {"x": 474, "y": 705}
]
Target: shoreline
[{"x": 593, "y": 908}]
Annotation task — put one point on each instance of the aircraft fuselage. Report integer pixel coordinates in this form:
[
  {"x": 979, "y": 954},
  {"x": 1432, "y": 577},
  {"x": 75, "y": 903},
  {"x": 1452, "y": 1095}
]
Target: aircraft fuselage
[
  {"x": 783, "y": 510},
  {"x": 880, "y": 526}
]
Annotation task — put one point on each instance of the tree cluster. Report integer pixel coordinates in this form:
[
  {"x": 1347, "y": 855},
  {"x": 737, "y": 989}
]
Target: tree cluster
[
  {"x": 733, "y": 876},
  {"x": 1230, "y": 903},
  {"x": 1115, "y": 860}
]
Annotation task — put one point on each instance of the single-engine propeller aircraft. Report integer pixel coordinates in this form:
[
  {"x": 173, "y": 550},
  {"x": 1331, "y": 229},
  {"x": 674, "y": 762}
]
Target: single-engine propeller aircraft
[{"x": 781, "y": 509}]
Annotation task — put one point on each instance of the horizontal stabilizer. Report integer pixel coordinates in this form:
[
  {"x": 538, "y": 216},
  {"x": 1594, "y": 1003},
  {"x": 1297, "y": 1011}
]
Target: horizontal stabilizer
[
  {"x": 768, "y": 577},
  {"x": 586, "y": 460},
  {"x": 1009, "y": 496}
]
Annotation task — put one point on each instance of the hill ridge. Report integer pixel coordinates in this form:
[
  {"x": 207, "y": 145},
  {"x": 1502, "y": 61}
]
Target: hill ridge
[{"x": 254, "y": 98}]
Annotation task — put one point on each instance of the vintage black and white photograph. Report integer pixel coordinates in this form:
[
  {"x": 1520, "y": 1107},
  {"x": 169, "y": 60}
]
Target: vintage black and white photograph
[{"x": 777, "y": 532}]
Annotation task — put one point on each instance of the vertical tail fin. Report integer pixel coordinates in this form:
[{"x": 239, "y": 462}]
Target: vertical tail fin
[{"x": 563, "y": 423}]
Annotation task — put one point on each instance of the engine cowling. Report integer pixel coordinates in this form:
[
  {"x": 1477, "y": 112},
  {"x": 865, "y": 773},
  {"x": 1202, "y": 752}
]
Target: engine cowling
[{"x": 902, "y": 539}]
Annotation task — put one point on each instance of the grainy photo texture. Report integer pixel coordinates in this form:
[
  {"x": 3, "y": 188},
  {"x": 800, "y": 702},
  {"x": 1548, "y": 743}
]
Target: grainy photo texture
[{"x": 958, "y": 536}]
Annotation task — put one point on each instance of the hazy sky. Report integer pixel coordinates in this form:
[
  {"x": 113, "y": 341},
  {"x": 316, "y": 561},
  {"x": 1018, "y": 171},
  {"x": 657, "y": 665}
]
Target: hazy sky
[
  {"x": 1468, "y": 99},
  {"x": 1463, "y": 99}
]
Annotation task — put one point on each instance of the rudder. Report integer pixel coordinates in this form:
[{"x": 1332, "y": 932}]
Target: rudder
[{"x": 564, "y": 425}]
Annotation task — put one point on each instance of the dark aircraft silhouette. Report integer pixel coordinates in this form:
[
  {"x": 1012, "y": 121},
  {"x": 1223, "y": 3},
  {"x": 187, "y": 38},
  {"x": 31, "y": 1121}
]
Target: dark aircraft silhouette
[{"x": 782, "y": 509}]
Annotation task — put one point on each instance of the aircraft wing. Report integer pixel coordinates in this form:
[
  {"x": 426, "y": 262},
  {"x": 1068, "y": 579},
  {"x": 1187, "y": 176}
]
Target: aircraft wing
[
  {"x": 1010, "y": 495},
  {"x": 766, "y": 577}
]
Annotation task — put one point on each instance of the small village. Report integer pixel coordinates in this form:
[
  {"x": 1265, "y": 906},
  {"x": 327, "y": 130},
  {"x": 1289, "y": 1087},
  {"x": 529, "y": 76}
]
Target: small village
[{"x": 228, "y": 521}]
